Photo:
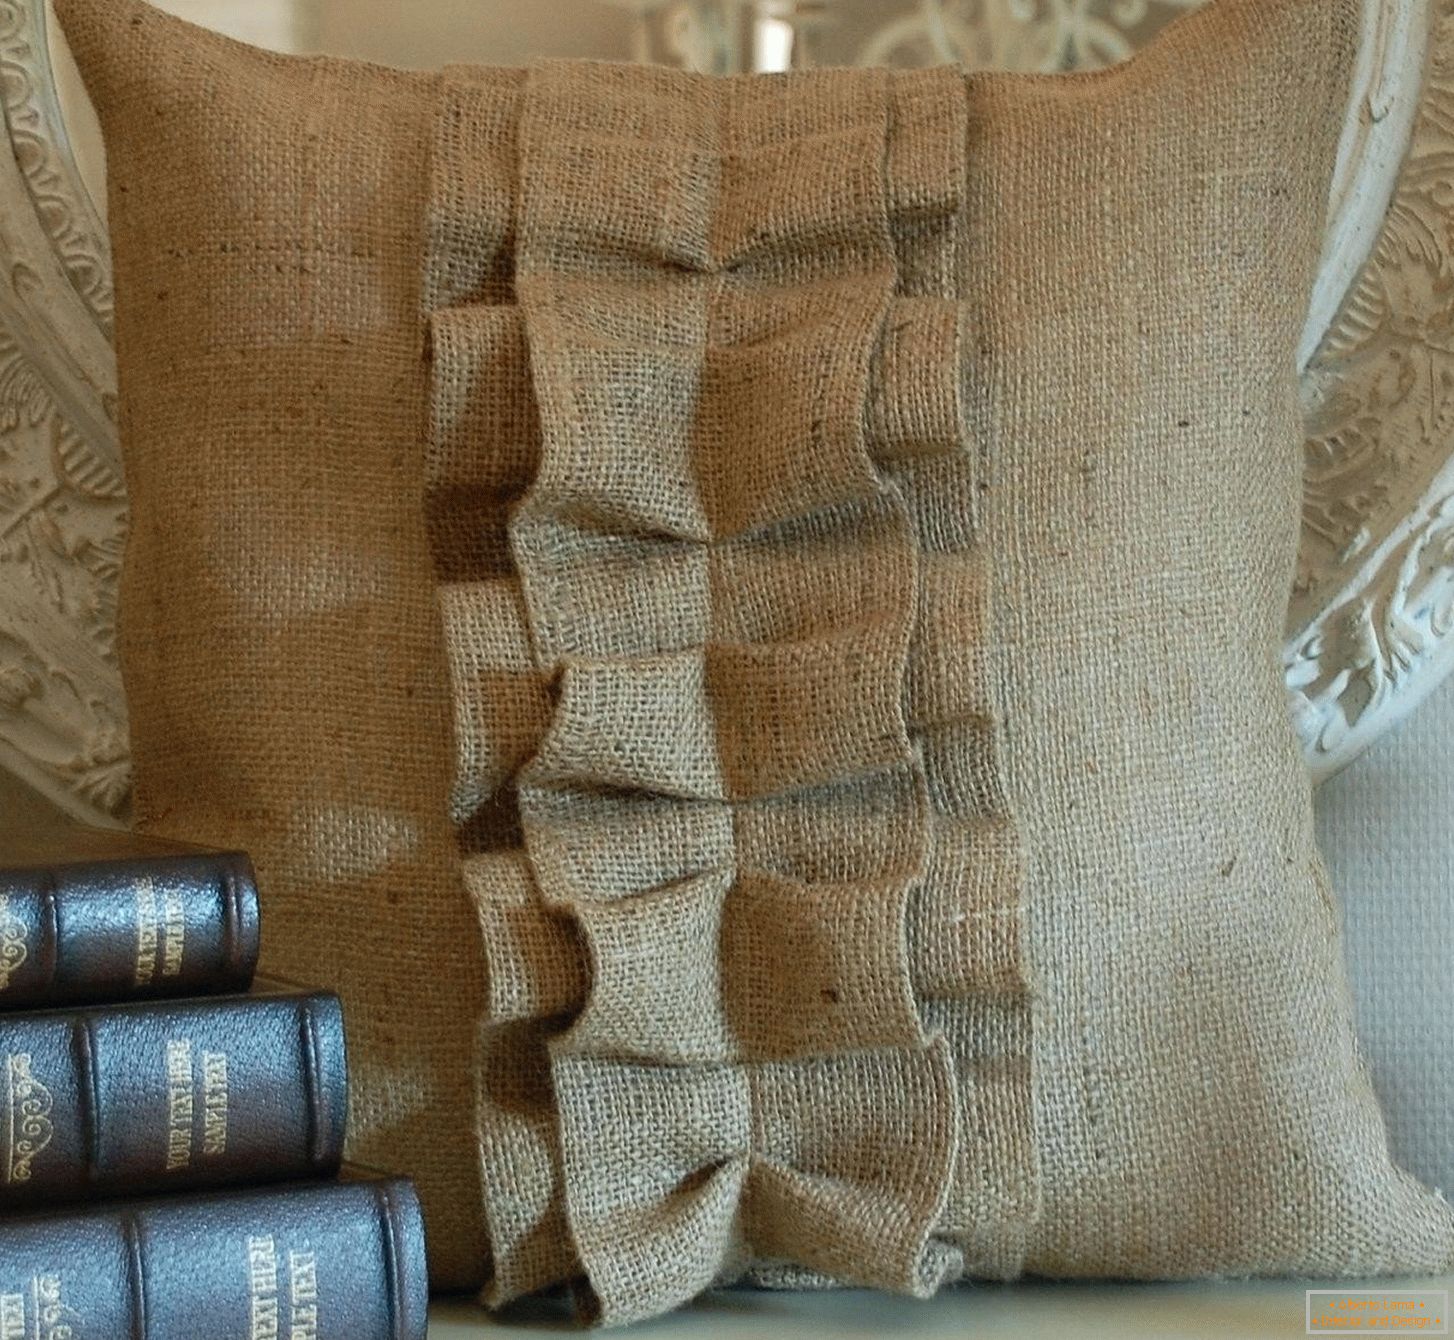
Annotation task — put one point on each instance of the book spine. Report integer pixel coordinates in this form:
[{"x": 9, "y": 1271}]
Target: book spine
[
  {"x": 334, "y": 1261},
  {"x": 169, "y": 1097},
  {"x": 140, "y": 929}
]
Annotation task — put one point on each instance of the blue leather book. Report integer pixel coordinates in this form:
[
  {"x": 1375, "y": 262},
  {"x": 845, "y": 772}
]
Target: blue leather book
[
  {"x": 170, "y": 1096},
  {"x": 92, "y": 916},
  {"x": 325, "y": 1261}
]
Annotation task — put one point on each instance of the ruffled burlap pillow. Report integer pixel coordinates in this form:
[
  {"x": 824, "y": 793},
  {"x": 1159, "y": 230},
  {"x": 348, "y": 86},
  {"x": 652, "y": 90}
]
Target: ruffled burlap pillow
[{"x": 738, "y": 620}]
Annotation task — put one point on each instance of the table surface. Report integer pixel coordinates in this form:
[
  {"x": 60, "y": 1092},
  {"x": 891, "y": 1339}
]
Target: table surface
[{"x": 1243, "y": 1310}]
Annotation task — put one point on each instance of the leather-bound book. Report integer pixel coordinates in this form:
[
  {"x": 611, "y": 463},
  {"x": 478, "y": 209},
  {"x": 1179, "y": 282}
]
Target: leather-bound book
[
  {"x": 169, "y": 1096},
  {"x": 89, "y": 916},
  {"x": 331, "y": 1261}
]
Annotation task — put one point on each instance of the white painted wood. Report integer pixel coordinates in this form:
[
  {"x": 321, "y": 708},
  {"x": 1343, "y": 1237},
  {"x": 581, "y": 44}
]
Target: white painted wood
[
  {"x": 62, "y": 714},
  {"x": 1388, "y": 87},
  {"x": 1372, "y": 622}
]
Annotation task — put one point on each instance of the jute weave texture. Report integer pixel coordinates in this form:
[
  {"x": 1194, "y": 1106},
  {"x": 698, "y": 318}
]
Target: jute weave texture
[{"x": 739, "y": 621}]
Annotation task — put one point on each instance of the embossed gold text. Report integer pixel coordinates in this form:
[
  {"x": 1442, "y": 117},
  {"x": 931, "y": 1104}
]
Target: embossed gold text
[
  {"x": 262, "y": 1275},
  {"x": 180, "y": 1104},
  {"x": 214, "y": 1103},
  {"x": 303, "y": 1295},
  {"x": 146, "y": 930}
]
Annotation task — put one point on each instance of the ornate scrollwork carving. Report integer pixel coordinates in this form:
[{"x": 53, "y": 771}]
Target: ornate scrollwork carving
[
  {"x": 62, "y": 508},
  {"x": 1362, "y": 655},
  {"x": 62, "y": 500},
  {"x": 1042, "y": 35},
  {"x": 28, "y": 1112},
  {"x": 1037, "y": 35},
  {"x": 38, "y": 136},
  {"x": 55, "y": 1319},
  {"x": 13, "y": 947},
  {"x": 1373, "y": 612}
]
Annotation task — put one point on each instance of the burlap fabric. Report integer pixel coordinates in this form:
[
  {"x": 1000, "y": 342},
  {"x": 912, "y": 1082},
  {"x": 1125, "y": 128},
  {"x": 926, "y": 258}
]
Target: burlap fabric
[{"x": 739, "y": 620}]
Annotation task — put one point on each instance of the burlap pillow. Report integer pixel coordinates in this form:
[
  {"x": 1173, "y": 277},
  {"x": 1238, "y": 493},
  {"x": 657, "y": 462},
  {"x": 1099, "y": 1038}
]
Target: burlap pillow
[{"x": 798, "y": 563}]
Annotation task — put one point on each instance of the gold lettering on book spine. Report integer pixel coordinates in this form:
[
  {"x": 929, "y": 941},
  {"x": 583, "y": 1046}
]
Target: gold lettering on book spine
[
  {"x": 146, "y": 931},
  {"x": 262, "y": 1275},
  {"x": 173, "y": 933},
  {"x": 214, "y": 1103},
  {"x": 180, "y": 1104},
  {"x": 13, "y": 949},
  {"x": 303, "y": 1295},
  {"x": 54, "y": 1320},
  {"x": 40, "y": 1313},
  {"x": 28, "y": 1128}
]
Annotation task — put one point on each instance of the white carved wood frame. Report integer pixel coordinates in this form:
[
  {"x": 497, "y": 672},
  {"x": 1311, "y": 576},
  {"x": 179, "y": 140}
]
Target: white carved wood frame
[{"x": 1371, "y": 630}]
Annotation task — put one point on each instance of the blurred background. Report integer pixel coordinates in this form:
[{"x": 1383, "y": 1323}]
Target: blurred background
[{"x": 720, "y": 36}]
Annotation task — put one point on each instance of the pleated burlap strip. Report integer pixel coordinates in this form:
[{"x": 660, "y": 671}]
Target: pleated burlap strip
[{"x": 764, "y": 818}]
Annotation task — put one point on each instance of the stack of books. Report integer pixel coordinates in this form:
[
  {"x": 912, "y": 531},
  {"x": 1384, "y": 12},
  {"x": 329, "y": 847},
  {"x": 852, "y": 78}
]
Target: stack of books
[{"x": 169, "y": 1143}]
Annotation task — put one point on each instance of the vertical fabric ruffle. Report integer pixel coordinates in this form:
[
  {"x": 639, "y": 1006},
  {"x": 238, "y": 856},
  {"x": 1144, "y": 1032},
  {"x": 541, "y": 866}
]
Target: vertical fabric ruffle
[{"x": 704, "y": 514}]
